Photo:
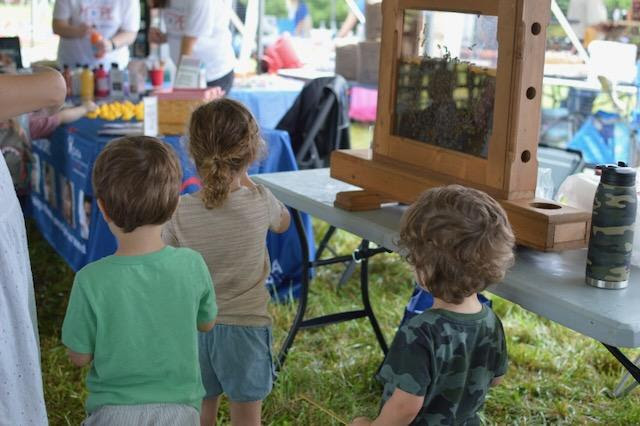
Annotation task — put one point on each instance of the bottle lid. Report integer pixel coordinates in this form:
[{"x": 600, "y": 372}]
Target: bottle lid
[{"x": 618, "y": 175}]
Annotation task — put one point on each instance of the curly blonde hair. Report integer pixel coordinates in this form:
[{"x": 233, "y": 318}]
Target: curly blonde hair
[
  {"x": 224, "y": 139},
  {"x": 458, "y": 240}
]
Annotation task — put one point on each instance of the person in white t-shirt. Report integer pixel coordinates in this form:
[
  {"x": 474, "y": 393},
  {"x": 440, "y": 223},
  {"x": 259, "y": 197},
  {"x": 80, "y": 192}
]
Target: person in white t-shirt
[
  {"x": 21, "y": 396},
  {"x": 200, "y": 29},
  {"x": 117, "y": 21}
]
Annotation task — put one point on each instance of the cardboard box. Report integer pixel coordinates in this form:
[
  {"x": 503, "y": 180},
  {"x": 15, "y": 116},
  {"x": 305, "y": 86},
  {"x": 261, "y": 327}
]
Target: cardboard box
[
  {"x": 373, "y": 17},
  {"x": 368, "y": 62},
  {"x": 347, "y": 61},
  {"x": 175, "y": 107}
]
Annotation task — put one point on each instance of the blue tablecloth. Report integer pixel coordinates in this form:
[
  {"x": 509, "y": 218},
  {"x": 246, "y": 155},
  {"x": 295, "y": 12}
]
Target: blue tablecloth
[
  {"x": 268, "y": 104},
  {"x": 66, "y": 213}
]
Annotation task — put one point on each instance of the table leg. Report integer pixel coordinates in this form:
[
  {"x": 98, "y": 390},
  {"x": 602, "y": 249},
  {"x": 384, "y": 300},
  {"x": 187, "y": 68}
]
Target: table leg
[
  {"x": 361, "y": 255},
  {"x": 324, "y": 244},
  {"x": 364, "y": 289},
  {"x": 304, "y": 292},
  {"x": 632, "y": 368}
]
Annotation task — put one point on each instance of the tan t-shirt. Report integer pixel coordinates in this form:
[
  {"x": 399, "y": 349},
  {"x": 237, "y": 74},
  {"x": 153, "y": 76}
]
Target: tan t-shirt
[{"x": 232, "y": 240}]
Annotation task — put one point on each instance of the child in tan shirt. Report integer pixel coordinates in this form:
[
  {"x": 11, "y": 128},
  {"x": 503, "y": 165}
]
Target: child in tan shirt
[{"x": 227, "y": 222}]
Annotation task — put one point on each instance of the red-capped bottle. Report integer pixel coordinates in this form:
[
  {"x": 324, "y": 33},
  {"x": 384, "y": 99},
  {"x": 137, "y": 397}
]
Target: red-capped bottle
[{"x": 102, "y": 82}]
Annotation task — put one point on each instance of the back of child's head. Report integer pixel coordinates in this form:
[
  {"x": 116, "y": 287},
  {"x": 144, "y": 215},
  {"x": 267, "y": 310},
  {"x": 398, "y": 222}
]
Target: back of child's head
[
  {"x": 458, "y": 240},
  {"x": 138, "y": 181},
  {"x": 224, "y": 139}
]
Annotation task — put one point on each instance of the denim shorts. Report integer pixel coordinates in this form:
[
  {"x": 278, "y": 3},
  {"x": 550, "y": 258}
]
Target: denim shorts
[{"x": 236, "y": 360}]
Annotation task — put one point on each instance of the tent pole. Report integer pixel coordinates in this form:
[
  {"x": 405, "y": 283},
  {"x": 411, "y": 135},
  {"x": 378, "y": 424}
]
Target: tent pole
[
  {"x": 259, "y": 47},
  {"x": 564, "y": 23}
]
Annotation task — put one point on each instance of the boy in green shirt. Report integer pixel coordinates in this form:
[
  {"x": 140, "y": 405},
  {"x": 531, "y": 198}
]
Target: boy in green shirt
[
  {"x": 134, "y": 315},
  {"x": 443, "y": 361}
]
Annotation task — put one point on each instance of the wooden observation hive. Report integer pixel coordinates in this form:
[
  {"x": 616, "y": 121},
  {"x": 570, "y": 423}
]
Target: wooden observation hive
[{"x": 459, "y": 102}]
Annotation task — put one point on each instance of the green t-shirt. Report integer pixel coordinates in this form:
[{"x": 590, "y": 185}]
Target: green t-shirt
[
  {"x": 138, "y": 316},
  {"x": 450, "y": 359}
]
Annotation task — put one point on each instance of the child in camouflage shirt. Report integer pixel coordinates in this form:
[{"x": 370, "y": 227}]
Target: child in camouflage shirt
[{"x": 443, "y": 361}]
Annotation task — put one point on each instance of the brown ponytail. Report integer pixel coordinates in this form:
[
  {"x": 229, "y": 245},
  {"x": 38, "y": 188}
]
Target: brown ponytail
[{"x": 224, "y": 139}]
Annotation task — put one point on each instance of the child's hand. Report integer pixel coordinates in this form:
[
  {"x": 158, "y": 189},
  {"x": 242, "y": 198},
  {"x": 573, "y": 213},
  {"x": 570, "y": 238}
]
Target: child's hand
[
  {"x": 360, "y": 421},
  {"x": 90, "y": 106}
]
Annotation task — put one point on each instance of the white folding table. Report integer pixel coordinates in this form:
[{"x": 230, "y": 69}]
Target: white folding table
[{"x": 548, "y": 284}]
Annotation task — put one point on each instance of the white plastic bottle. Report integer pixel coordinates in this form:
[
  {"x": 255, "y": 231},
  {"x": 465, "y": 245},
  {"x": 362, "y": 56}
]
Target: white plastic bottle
[
  {"x": 116, "y": 82},
  {"x": 75, "y": 80}
]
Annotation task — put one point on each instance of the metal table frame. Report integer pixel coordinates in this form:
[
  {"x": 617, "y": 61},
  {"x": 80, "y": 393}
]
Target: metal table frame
[
  {"x": 550, "y": 285},
  {"x": 361, "y": 256}
]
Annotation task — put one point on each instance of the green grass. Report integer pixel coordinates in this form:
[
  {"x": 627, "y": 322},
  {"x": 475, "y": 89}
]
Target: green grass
[{"x": 555, "y": 376}]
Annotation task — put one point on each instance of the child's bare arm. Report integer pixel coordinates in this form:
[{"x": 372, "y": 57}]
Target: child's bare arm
[
  {"x": 496, "y": 380},
  {"x": 207, "y": 326},
  {"x": 285, "y": 220},
  {"x": 69, "y": 115},
  {"x": 399, "y": 410},
  {"x": 78, "y": 359},
  {"x": 279, "y": 217}
]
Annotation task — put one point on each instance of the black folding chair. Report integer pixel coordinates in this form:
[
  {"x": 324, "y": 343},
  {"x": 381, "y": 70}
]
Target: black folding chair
[{"x": 318, "y": 123}]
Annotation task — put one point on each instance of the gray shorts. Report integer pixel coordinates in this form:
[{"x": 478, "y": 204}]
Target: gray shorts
[
  {"x": 144, "y": 415},
  {"x": 236, "y": 360}
]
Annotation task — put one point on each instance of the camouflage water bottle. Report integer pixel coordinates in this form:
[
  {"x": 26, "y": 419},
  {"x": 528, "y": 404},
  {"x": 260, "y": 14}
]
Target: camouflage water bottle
[{"x": 612, "y": 225}]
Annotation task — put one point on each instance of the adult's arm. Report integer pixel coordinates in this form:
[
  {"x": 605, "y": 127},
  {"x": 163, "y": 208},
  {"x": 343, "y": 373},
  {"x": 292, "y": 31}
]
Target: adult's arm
[
  {"x": 64, "y": 29},
  {"x": 62, "y": 12},
  {"x": 122, "y": 38},
  {"x": 30, "y": 92},
  {"x": 186, "y": 47},
  {"x": 198, "y": 24},
  {"x": 129, "y": 26}
]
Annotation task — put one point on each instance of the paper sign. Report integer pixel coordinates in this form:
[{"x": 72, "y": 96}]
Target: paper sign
[
  {"x": 150, "y": 127},
  {"x": 188, "y": 75}
]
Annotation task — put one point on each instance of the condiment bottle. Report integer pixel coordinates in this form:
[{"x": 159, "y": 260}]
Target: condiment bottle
[
  {"x": 86, "y": 84},
  {"x": 116, "y": 82},
  {"x": 102, "y": 82}
]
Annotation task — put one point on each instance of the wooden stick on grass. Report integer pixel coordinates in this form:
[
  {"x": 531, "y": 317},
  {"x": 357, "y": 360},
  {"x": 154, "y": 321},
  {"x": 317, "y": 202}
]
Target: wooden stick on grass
[{"x": 323, "y": 409}]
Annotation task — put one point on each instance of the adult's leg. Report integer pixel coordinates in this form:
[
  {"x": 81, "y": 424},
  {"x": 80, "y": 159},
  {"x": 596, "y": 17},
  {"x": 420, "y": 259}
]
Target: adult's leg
[
  {"x": 209, "y": 411},
  {"x": 246, "y": 413}
]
